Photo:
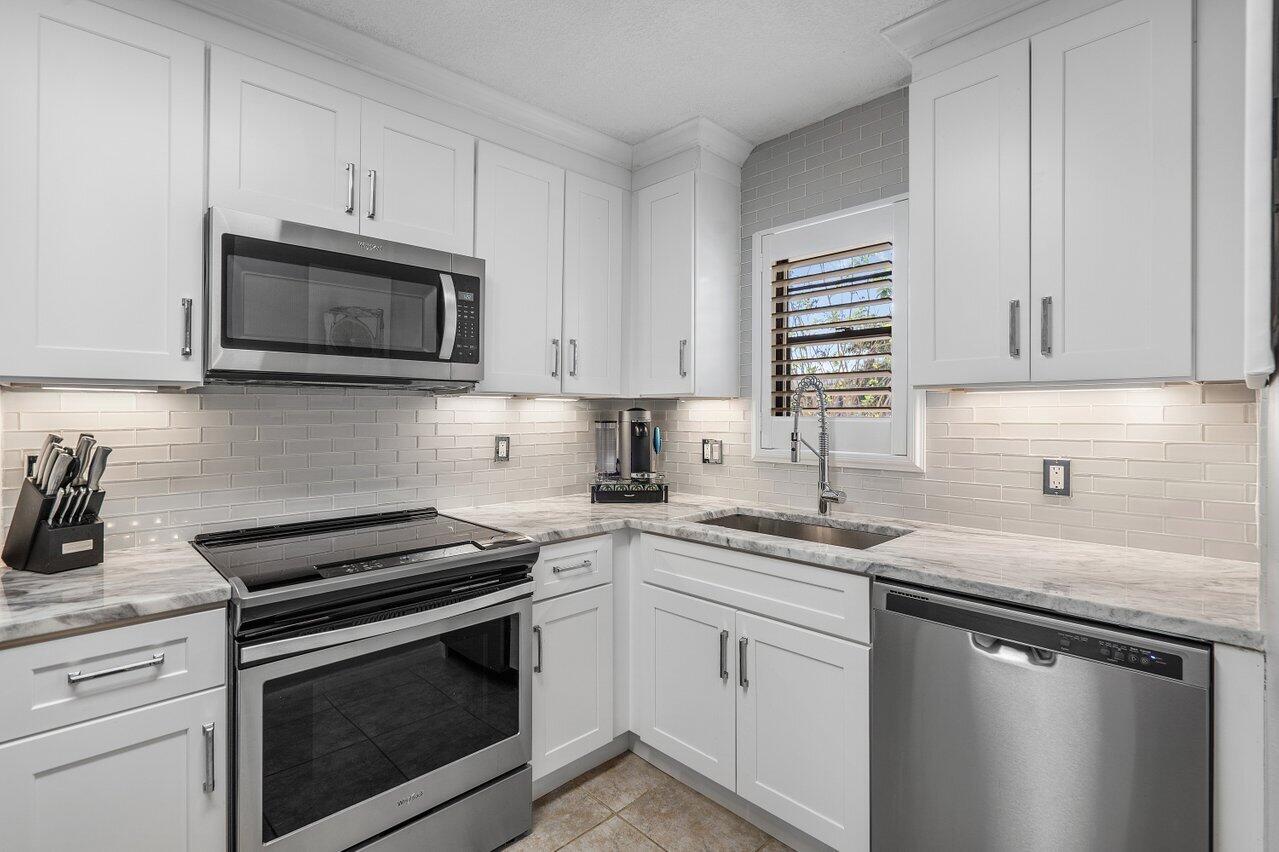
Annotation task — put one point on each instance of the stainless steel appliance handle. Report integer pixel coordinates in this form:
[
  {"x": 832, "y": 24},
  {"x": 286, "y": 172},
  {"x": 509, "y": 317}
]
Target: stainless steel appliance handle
[
  {"x": 723, "y": 655},
  {"x": 559, "y": 569},
  {"x": 372, "y": 214},
  {"x": 742, "y": 680},
  {"x": 572, "y": 370},
  {"x": 350, "y": 188},
  {"x": 555, "y": 369},
  {"x": 1014, "y": 328},
  {"x": 1046, "y": 326},
  {"x": 449, "y": 336},
  {"x": 157, "y": 659},
  {"x": 537, "y": 635},
  {"x": 187, "y": 305},
  {"x": 991, "y": 645},
  {"x": 315, "y": 641},
  {"x": 210, "y": 779},
  {"x": 683, "y": 371}
]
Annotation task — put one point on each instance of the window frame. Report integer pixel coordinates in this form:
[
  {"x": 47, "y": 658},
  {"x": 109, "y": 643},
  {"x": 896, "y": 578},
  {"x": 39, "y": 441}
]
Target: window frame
[{"x": 906, "y": 441}]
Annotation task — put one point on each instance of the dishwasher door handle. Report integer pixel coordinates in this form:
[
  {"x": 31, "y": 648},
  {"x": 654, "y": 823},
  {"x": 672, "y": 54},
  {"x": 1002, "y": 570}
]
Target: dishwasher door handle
[{"x": 991, "y": 644}]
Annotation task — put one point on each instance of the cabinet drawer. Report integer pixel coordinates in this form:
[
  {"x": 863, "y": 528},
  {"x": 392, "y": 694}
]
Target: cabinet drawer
[
  {"x": 64, "y": 681},
  {"x": 823, "y": 599},
  {"x": 572, "y": 565}
]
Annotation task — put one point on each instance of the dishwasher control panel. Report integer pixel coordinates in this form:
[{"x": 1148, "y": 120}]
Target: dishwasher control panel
[{"x": 1129, "y": 656}]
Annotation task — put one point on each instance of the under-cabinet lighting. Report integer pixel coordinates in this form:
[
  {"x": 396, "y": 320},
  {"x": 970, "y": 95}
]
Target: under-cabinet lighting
[
  {"x": 98, "y": 389},
  {"x": 555, "y": 399}
]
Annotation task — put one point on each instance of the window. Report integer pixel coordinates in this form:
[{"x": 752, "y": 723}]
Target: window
[{"x": 830, "y": 302}]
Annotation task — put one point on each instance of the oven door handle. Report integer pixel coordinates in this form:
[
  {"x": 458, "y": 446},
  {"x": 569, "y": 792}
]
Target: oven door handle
[
  {"x": 268, "y": 651},
  {"x": 449, "y": 336}
]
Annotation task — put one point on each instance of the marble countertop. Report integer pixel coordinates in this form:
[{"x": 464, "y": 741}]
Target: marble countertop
[
  {"x": 1213, "y": 600},
  {"x": 129, "y": 584}
]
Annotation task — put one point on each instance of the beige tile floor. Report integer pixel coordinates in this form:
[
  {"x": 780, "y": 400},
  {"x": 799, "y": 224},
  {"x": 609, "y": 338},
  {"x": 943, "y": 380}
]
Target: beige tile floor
[{"x": 629, "y": 804}]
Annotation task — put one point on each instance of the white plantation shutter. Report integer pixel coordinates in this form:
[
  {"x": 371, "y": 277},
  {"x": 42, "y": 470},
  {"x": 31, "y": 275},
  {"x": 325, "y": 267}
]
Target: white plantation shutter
[{"x": 832, "y": 318}]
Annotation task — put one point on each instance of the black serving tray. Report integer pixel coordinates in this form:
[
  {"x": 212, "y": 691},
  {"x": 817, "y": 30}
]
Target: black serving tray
[{"x": 629, "y": 492}]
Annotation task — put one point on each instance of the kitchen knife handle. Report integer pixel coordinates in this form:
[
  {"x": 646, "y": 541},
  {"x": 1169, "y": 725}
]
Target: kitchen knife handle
[
  {"x": 186, "y": 327},
  {"x": 372, "y": 214},
  {"x": 350, "y": 188}
]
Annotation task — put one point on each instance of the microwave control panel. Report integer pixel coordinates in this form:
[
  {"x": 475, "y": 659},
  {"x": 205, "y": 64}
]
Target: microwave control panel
[{"x": 466, "y": 348}]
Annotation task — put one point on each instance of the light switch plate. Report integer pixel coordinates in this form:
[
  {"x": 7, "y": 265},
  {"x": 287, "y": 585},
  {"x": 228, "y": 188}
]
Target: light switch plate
[
  {"x": 712, "y": 451},
  {"x": 502, "y": 448},
  {"x": 1057, "y": 477}
]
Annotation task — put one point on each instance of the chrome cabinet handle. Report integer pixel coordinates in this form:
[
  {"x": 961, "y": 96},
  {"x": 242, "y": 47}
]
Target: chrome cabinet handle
[
  {"x": 187, "y": 306},
  {"x": 372, "y": 194},
  {"x": 350, "y": 188},
  {"x": 1014, "y": 328},
  {"x": 537, "y": 634},
  {"x": 557, "y": 569},
  {"x": 555, "y": 370},
  {"x": 683, "y": 372},
  {"x": 741, "y": 662},
  {"x": 156, "y": 660},
  {"x": 572, "y": 370},
  {"x": 723, "y": 655},
  {"x": 210, "y": 781},
  {"x": 1046, "y": 325}
]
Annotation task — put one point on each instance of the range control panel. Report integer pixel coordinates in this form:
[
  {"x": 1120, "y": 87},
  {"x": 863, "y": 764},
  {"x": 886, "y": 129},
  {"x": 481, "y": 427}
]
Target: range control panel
[{"x": 341, "y": 569}]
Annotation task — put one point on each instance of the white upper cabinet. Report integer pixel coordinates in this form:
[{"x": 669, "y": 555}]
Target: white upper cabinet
[
  {"x": 596, "y": 224},
  {"x": 418, "y": 180},
  {"x": 281, "y": 144},
  {"x": 1111, "y": 254},
  {"x": 970, "y": 221},
  {"x": 101, "y": 150},
  {"x": 664, "y": 286},
  {"x": 519, "y": 232}
]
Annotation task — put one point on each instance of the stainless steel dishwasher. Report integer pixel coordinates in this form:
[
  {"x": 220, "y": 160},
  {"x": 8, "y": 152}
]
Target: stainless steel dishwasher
[{"x": 1000, "y": 729}]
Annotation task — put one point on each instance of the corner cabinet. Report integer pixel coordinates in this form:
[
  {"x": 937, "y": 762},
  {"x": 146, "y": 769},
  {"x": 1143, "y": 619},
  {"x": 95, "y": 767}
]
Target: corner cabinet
[
  {"x": 683, "y": 310},
  {"x": 1051, "y": 205},
  {"x": 102, "y": 155}
]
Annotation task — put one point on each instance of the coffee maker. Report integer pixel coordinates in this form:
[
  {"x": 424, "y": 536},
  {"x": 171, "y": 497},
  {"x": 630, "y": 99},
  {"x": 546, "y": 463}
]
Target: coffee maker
[{"x": 626, "y": 454}]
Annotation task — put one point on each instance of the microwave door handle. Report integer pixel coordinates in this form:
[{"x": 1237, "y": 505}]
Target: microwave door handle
[{"x": 449, "y": 337}]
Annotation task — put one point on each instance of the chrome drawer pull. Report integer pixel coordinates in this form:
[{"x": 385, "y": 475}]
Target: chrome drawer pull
[
  {"x": 723, "y": 655},
  {"x": 350, "y": 188},
  {"x": 555, "y": 370},
  {"x": 1014, "y": 328},
  {"x": 157, "y": 660},
  {"x": 559, "y": 569},
  {"x": 741, "y": 662},
  {"x": 1046, "y": 326},
  {"x": 537, "y": 634},
  {"x": 210, "y": 780},
  {"x": 186, "y": 327}
]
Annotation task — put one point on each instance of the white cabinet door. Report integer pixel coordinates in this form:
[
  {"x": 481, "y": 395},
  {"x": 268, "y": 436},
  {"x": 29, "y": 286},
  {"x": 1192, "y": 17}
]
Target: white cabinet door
[
  {"x": 969, "y": 223},
  {"x": 662, "y": 300},
  {"x": 1111, "y": 194},
  {"x": 685, "y": 692},
  {"x": 282, "y": 145},
  {"x": 418, "y": 181},
  {"x": 101, "y": 152},
  {"x": 519, "y": 231},
  {"x": 803, "y": 729},
  {"x": 596, "y": 225},
  {"x": 572, "y": 677},
  {"x": 133, "y": 782}
]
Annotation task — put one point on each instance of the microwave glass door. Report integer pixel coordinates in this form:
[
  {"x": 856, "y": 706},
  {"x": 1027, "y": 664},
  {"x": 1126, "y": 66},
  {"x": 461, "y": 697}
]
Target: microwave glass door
[
  {"x": 339, "y": 734},
  {"x": 285, "y": 298}
]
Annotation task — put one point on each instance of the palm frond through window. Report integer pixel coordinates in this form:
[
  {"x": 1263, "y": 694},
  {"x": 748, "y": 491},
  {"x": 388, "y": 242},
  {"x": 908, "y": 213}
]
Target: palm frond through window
[{"x": 833, "y": 319}]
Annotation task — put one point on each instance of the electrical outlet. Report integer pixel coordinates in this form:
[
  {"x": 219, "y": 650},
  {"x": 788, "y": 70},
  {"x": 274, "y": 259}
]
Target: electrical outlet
[
  {"x": 502, "y": 448},
  {"x": 1057, "y": 477},
  {"x": 712, "y": 451}
]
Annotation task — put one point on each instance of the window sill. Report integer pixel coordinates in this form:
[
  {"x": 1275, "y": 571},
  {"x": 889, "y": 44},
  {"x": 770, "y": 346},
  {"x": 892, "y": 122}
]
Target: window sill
[{"x": 838, "y": 460}]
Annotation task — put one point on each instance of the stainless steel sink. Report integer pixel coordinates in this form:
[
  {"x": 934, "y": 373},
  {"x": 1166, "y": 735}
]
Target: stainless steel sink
[{"x": 838, "y": 536}]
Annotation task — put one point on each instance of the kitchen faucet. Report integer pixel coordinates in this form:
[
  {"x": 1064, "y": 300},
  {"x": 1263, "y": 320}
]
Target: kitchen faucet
[{"x": 826, "y": 494}]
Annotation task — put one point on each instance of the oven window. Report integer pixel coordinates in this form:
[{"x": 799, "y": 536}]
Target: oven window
[
  {"x": 285, "y": 298},
  {"x": 337, "y": 735}
]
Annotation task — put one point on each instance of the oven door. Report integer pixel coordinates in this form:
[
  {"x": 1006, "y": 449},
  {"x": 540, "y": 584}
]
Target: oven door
[
  {"x": 295, "y": 301},
  {"x": 339, "y": 744}
]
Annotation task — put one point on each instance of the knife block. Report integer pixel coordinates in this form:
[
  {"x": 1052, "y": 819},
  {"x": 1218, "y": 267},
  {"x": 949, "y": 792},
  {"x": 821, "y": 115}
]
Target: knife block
[{"x": 33, "y": 545}]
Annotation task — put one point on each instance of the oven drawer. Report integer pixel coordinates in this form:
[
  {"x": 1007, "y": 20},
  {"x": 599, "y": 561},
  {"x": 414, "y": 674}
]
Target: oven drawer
[
  {"x": 570, "y": 566},
  {"x": 61, "y": 682}
]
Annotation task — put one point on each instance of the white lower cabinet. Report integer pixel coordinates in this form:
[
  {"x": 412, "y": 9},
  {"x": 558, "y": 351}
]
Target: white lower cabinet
[
  {"x": 134, "y": 782},
  {"x": 572, "y": 677},
  {"x": 803, "y": 722}
]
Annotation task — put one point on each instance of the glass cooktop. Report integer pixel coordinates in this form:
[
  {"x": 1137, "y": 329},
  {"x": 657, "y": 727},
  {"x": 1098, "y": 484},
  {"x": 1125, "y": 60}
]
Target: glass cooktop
[{"x": 288, "y": 554}]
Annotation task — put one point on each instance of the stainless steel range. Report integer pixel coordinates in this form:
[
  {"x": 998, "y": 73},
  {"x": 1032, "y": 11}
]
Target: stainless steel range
[{"x": 382, "y": 682}]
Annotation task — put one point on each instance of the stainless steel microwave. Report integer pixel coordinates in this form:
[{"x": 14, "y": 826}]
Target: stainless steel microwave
[{"x": 296, "y": 304}]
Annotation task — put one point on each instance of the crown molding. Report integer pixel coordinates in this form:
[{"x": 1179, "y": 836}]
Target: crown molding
[
  {"x": 700, "y": 133},
  {"x": 310, "y": 31},
  {"x": 947, "y": 21}
]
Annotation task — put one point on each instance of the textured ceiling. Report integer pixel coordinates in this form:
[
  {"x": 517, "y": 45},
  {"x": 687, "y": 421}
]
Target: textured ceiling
[{"x": 633, "y": 68}]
